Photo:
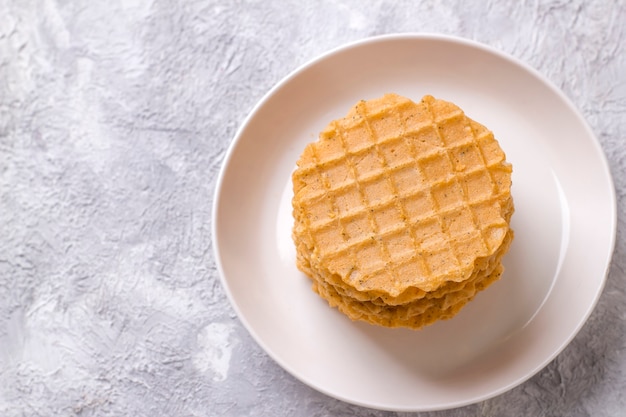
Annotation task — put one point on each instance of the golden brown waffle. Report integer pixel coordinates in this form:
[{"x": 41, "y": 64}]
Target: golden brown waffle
[
  {"x": 413, "y": 315},
  {"x": 399, "y": 200},
  {"x": 418, "y": 313}
]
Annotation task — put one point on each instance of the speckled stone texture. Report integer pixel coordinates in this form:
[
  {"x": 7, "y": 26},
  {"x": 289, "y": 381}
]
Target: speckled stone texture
[{"x": 114, "y": 119}]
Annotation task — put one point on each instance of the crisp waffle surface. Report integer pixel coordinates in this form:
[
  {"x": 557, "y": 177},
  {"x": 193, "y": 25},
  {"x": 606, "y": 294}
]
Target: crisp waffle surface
[
  {"x": 418, "y": 313},
  {"x": 400, "y": 201}
]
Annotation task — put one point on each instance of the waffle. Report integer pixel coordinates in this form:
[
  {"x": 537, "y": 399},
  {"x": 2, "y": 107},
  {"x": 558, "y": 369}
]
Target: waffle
[
  {"x": 413, "y": 315},
  {"x": 418, "y": 313},
  {"x": 400, "y": 202}
]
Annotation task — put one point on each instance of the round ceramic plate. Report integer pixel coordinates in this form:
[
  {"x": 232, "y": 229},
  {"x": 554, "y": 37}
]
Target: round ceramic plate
[{"x": 564, "y": 223}]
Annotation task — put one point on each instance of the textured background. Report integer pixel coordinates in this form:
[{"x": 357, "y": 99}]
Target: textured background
[{"x": 114, "y": 118}]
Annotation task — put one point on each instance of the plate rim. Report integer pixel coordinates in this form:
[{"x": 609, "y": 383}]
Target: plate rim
[{"x": 411, "y": 36}]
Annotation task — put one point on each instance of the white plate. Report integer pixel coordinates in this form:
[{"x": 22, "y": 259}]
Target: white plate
[{"x": 564, "y": 222}]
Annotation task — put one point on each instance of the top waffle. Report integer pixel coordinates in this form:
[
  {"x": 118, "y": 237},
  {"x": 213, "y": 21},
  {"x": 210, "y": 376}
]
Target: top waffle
[{"x": 401, "y": 198}]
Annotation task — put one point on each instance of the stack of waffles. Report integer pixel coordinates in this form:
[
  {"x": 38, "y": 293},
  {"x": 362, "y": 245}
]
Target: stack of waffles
[{"x": 402, "y": 211}]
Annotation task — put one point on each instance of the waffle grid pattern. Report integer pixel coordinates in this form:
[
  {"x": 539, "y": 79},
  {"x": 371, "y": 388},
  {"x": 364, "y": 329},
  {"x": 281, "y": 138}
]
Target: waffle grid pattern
[{"x": 390, "y": 198}]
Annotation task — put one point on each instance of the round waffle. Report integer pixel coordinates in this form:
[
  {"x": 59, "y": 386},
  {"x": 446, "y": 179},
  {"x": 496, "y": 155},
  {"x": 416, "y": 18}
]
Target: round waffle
[{"x": 398, "y": 202}]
